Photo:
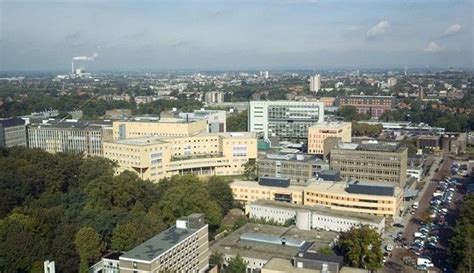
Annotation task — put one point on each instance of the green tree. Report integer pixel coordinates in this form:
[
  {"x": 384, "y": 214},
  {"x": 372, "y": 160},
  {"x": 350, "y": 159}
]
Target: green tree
[
  {"x": 350, "y": 113},
  {"x": 216, "y": 258},
  {"x": 126, "y": 237},
  {"x": 251, "y": 169},
  {"x": 326, "y": 250},
  {"x": 220, "y": 191},
  {"x": 186, "y": 196},
  {"x": 236, "y": 265},
  {"x": 461, "y": 245},
  {"x": 237, "y": 122},
  {"x": 361, "y": 247},
  {"x": 89, "y": 245}
]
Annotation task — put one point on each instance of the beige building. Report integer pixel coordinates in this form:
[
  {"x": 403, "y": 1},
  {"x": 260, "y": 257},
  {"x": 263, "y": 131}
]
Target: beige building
[
  {"x": 162, "y": 128},
  {"x": 249, "y": 191},
  {"x": 356, "y": 197},
  {"x": 320, "y": 131},
  {"x": 371, "y": 162},
  {"x": 184, "y": 247},
  {"x": 204, "y": 154},
  {"x": 380, "y": 200}
]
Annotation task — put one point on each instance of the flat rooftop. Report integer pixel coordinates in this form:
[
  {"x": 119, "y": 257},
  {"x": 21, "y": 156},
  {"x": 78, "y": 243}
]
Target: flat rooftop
[
  {"x": 232, "y": 244},
  {"x": 342, "y": 187},
  {"x": 254, "y": 184},
  {"x": 159, "y": 244},
  {"x": 372, "y": 146},
  {"x": 284, "y": 265},
  {"x": 335, "y": 124},
  {"x": 320, "y": 210},
  {"x": 142, "y": 141}
]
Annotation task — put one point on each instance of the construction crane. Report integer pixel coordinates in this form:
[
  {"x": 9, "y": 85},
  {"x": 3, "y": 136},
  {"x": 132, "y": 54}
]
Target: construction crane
[{"x": 79, "y": 107}]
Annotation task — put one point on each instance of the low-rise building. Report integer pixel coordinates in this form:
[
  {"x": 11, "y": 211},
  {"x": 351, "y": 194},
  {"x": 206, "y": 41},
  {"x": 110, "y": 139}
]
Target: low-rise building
[
  {"x": 257, "y": 244},
  {"x": 204, "y": 154},
  {"x": 312, "y": 217},
  {"x": 374, "y": 199},
  {"x": 319, "y": 132},
  {"x": 371, "y": 161},
  {"x": 249, "y": 191},
  {"x": 12, "y": 133},
  {"x": 373, "y": 106}
]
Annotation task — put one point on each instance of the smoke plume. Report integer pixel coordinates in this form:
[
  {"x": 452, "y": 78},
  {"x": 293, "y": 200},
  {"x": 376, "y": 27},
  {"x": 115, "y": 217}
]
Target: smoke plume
[{"x": 86, "y": 58}]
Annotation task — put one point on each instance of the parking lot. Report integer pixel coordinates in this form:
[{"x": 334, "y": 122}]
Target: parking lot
[{"x": 427, "y": 233}]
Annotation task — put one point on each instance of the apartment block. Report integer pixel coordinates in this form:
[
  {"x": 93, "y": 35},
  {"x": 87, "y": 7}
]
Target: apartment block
[
  {"x": 214, "y": 97},
  {"x": 183, "y": 247},
  {"x": 161, "y": 128},
  {"x": 69, "y": 136},
  {"x": 319, "y": 132},
  {"x": 371, "y": 162},
  {"x": 354, "y": 197},
  {"x": 284, "y": 119},
  {"x": 301, "y": 169},
  {"x": 204, "y": 154},
  {"x": 373, "y": 106},
  {"x": 12, "y": 133}
]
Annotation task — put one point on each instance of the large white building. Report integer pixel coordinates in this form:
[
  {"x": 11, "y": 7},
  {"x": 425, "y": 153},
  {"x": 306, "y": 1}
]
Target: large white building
[
  {"x": 315, "y": 83},
  {"x": 391, "y": 82},
  {"x": 312, "y": 217},
  {"x": 284, "y": 119}
]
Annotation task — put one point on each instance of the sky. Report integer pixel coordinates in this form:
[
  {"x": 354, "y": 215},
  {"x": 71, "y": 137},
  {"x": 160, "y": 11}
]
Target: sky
[{"x": 159, "y": 35}]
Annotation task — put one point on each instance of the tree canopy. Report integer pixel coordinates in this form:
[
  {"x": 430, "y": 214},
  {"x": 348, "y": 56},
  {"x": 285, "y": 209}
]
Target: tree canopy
[
  {"x": 66, "y": 208},
  {"x": 361, "y": 247},
  {"x": 461, "y": 247}
]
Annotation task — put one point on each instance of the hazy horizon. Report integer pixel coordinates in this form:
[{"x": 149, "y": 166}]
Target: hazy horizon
[{"x": 124, "y": 35}]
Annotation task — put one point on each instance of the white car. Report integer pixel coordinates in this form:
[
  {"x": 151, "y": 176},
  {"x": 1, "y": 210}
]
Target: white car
[{"x": 389, "y": 247}]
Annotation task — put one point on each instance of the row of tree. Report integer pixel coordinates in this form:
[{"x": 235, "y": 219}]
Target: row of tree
[
  {"x": 70, "y": 209},
  {"x": 461, "y": 247}
]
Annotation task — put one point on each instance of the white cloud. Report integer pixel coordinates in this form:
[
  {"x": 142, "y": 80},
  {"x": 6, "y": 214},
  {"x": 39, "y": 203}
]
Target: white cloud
[
  {"x": 433, "y": 47},
  {"x": 453, "y": 29},
  {"x": 380, "y": 28}
]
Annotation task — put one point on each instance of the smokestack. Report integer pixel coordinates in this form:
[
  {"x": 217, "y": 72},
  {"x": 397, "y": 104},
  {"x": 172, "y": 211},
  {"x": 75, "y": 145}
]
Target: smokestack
[{"x": 72, "y": 66}]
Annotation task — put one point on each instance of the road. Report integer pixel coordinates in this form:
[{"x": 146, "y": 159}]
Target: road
[{"x": 412, "y": 222}]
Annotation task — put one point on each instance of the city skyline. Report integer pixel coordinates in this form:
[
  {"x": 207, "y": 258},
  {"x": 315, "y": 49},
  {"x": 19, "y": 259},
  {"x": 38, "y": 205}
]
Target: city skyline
[{"x": 282, "y": 34}]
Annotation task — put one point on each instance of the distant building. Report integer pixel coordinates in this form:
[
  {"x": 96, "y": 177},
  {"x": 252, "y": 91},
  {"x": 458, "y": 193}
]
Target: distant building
[
  {"x": 454, "y": 143},
  {"x": 315, "y": 83},
  {"x": 184, "y": 247},
  {"x": 371, "y": 161},
  {"x": 301, "y": 169},
  {"x": 318, "y": 132},
  {"x": 204, "y": 154},
  {"x": 214, "y": 97},
  {"x": 12, "y": 133},
  {"x": 327, "y": 101},
  {"x": 391, "y": 82},
  {"x": 373, "y": 106},
  {"x": 312, "y": 217},
  {"x": 118, "y": 114},
  {"x": 70, "y": 136},
  {"x": 216, "y": 119},
  {"x": 284, "y": 119}
]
